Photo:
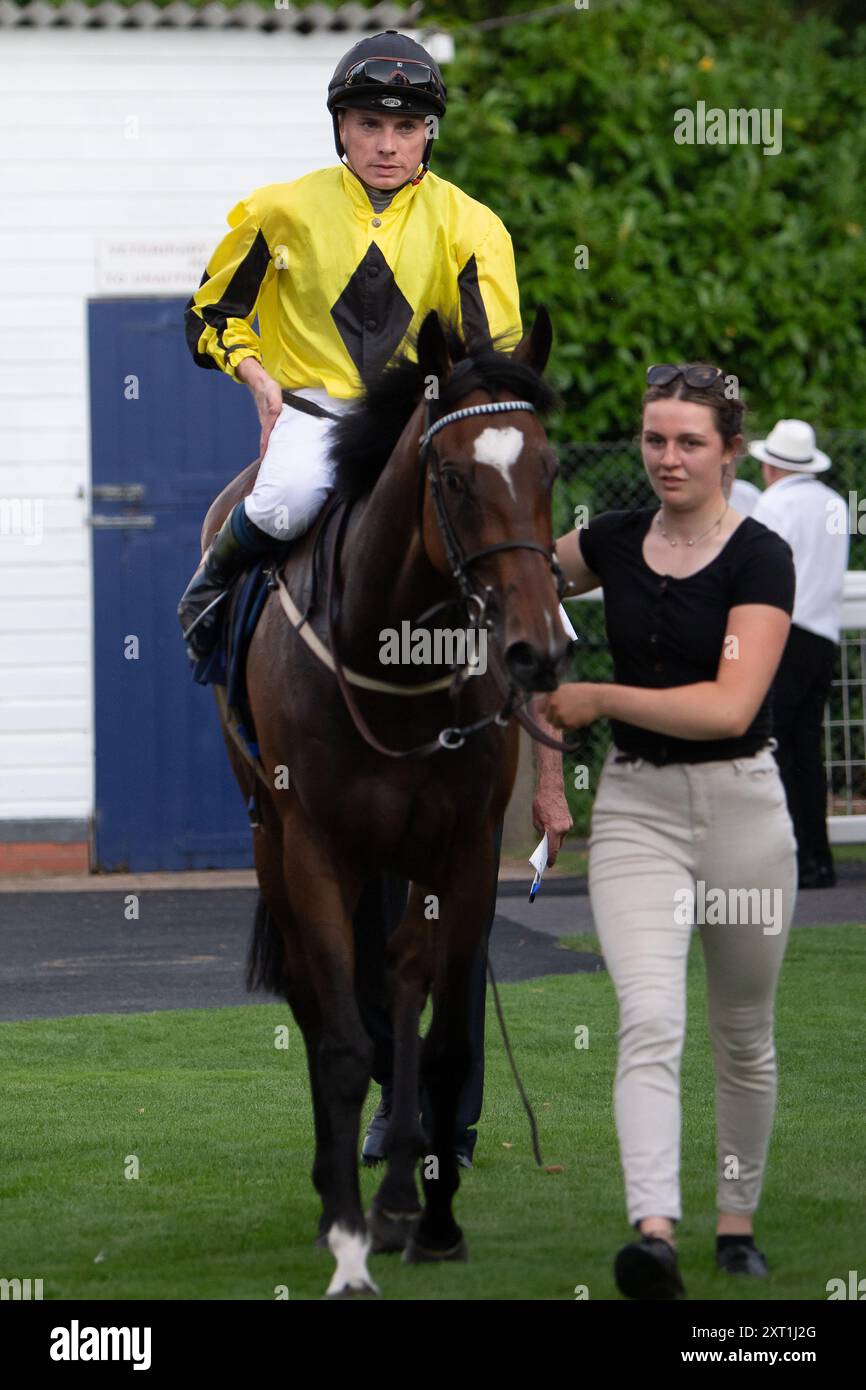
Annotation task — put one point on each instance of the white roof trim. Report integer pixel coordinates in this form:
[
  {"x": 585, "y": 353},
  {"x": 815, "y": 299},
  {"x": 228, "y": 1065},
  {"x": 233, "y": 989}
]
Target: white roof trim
[{"x": 72, "y": 14}]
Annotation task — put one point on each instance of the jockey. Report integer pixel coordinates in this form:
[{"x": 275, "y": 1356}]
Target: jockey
[{"x": 340, "y": 266}]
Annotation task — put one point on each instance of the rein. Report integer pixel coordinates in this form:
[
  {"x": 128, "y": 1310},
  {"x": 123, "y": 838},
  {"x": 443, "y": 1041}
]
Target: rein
[{"x": 447, "y": 738}]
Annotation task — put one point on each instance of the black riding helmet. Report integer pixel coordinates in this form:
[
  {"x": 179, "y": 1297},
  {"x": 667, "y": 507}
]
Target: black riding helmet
[{"x": 389, "y": 71}]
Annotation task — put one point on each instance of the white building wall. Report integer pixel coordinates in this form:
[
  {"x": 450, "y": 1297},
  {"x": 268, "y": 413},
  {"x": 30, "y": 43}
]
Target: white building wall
[{"x": 105, "y": 132}]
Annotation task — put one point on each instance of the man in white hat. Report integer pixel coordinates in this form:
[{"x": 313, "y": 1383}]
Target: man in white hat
[{"x": 813, "y": 519}]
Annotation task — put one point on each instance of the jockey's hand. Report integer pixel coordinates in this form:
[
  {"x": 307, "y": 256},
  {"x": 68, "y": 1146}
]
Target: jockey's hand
[
  {"x": 550, "y": 815},
  {"x": 267, "y": 394}
]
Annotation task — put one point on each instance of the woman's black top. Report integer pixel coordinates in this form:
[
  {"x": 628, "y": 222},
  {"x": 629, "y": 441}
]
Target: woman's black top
[{"x": 665, "y": 631}]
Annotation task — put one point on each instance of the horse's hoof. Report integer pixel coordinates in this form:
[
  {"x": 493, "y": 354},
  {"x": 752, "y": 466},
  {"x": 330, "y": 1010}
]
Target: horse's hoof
[
  {"x": 371, "y": 1162},
  {"x": 389, "y": 1230},
  {"x": 354, "y": 1290},
  {"x": 417, "y": 1254}
]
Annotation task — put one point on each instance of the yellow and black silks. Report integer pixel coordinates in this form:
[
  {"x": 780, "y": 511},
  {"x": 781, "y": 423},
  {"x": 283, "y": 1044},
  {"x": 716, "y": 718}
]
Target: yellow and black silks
[{"x": 338, "y": 286}]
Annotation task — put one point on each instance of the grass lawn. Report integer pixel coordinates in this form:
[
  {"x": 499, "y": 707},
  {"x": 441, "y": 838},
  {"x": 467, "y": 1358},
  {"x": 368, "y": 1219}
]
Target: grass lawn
[{"x": 219, "y": 1120}]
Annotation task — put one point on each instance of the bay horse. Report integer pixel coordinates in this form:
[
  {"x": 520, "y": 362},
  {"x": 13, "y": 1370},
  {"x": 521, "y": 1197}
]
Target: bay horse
[{"x": 459, "y": 517}]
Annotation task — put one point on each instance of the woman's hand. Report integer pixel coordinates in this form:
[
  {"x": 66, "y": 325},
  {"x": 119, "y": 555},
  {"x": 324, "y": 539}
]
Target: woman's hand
[{"x": 575, "y": 705}]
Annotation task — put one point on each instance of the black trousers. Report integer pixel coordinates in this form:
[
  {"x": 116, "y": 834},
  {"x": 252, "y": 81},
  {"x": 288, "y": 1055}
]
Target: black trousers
[
  {"x": 800, "y": 694},
  {"x": 380, "y": 908}
]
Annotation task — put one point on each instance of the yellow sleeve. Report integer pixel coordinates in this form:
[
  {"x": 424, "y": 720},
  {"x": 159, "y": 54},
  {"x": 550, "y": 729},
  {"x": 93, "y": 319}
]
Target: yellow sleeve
[
  {"x": 219, "y": 315},
  {"x": 489, "y": 297}
]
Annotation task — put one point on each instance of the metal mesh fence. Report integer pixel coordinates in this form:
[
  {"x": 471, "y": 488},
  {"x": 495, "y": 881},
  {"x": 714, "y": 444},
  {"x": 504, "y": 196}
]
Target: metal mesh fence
[
  {"x": 603, "y": 477},
  {"x": 845, "y": 730}
]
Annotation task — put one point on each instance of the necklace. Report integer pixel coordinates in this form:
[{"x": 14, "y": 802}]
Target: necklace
[{"x": 697, "y": 538}]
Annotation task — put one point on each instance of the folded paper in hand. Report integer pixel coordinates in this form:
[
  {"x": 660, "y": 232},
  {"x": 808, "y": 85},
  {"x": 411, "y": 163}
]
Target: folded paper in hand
[{"x": 538, "y": 860}]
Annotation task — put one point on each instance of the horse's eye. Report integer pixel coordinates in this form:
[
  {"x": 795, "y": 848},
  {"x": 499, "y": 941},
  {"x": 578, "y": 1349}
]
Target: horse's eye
[{"x": 453, "y": 482}]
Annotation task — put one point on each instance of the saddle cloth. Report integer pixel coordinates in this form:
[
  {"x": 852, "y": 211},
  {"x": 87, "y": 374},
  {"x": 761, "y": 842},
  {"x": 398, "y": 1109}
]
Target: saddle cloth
[{"x": 226, "y": 664}]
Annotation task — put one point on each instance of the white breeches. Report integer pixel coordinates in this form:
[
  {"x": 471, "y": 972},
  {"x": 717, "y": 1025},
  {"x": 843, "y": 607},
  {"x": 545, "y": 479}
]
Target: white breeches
[{"x": 295, "y": 475}]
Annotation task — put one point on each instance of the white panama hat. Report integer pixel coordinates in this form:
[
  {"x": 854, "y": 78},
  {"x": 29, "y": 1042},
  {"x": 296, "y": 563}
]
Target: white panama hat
[{"x": 791, "y": 445}]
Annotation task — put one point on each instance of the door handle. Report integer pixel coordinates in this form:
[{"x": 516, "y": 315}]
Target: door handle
[
  {"x": 121, "y": 523},
  {"x": 118, "y": 492}
]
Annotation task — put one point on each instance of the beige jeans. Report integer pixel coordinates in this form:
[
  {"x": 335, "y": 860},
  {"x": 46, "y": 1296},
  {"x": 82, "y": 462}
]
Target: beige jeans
[{"x": 706, "y": 844}]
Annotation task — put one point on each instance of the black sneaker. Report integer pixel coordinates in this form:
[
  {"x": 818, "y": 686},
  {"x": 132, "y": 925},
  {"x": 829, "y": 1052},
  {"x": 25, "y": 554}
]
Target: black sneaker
[
  {"x": 648, "y": 1269},
  {"x": 816, "y": 874},
  {"x": 742, "y": 1259},
  {"x": 373, "y": 1148},
  {"x": 826, "y": 874}
]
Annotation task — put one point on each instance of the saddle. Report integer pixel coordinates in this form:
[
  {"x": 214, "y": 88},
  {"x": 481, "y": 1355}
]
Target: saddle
[{"x": 225, "y": 667}]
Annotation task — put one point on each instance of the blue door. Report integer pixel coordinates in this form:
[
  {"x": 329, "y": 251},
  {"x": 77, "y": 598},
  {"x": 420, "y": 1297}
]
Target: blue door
[{"x": 166, "y": 438}]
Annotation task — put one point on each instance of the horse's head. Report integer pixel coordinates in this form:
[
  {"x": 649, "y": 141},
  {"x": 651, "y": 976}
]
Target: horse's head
[{"x": 487, "y": 485}]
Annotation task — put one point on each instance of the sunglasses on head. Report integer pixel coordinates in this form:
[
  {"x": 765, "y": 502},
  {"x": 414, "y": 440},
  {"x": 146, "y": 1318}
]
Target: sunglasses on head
[
  {"x": 392, "y": 72},
  {"x": 699, "y": 377}
]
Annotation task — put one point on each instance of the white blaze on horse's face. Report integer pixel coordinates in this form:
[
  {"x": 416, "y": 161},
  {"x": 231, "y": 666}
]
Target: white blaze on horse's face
[{"x": 500, "y": 446}]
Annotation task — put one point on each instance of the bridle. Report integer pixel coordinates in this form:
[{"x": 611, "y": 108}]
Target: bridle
[
  {"x": 429, "y": 465},
  {"x": 458, "y": 560}
]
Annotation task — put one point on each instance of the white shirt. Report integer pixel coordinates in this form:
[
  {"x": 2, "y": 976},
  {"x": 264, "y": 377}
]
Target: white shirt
[
  {"x": 744, "y": 497},
  {"x": 813, "y": 519}
]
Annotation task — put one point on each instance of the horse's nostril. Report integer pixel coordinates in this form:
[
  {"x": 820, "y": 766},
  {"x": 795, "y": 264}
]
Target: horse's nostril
[
  {"x": 522, "y": 661},
  {"x": 534, "y": 669}
]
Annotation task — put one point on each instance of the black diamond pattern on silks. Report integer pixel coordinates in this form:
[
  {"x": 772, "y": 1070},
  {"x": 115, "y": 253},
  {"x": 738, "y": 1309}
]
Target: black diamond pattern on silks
[{"x": 372, "y": 314}]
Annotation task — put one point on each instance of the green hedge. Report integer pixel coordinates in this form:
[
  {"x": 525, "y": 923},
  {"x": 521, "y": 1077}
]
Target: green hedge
[
  {"x": 565, "y": 125},
  {"x": 566, "y": 128}
]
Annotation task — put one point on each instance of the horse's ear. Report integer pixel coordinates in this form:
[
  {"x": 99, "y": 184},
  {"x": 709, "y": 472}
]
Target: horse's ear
[
  {"x": 534, "y": 348},
  {"x": 432, "y": 349}
]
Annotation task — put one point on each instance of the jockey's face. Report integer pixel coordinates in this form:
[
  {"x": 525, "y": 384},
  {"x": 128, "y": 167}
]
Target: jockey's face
[{"x": 383, "y": 150}]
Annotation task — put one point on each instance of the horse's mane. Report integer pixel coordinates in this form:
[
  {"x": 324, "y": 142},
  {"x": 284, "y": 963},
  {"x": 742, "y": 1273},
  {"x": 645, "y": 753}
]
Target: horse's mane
[{"x": 365, "y": 435}]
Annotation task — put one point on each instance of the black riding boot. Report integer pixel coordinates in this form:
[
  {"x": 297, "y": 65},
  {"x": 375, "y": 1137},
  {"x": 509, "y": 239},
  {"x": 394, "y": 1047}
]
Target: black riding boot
[{"x": 234, "y": 548}]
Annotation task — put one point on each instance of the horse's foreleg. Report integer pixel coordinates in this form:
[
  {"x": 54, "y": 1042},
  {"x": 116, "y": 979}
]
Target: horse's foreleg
[
  {"x": 308, "y": 1017},
  {"x": 309, "y": 1022},
  {"x": 396, "y": 1206},
  {"x": 321, "y": 898},
  {"x": 446, "y": 1054},
  {"x": 345, "y": 1056},
  {"x": 282, "y": 966},
  {"x": 339, "y": 1055},
  {"x": 444, "y": 1068}
]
